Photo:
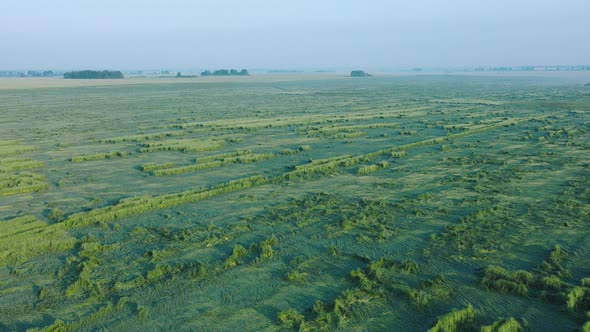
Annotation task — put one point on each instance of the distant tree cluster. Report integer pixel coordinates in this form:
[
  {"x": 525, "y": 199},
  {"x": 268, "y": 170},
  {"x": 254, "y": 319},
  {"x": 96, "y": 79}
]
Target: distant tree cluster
[
  {"x": 30, "y": 73},
  {"x": 94, "y": 74},
  {"x": 179, "y": 75},
  {"x": 359, "y": 73},
  {"x": 534, "y": 68},
  {"x": 225, "y": 72},
  {"x": 34, "y": 73}
]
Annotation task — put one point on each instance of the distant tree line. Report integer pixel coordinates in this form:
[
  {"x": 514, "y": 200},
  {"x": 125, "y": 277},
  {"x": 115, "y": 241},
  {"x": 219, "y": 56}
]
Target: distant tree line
[
  {"x": 359, "y": 73},
  {"x": 30, "y": 73},
  {"x": 94, "y": 74},
  {"x": 533, "y": 68},
  {"x": 34, "y": 73},
  {"x": 179, "y": 75},
  {"x": 225, "y": 72}
]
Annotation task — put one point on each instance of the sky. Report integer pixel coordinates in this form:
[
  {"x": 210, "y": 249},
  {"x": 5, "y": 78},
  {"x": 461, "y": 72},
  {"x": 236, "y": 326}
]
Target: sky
[{"x": 302, "y": 34}]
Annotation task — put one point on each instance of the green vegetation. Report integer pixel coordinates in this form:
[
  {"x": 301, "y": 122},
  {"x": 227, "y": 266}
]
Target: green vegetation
[
  {"x": 367, "y": 169},
  {"x": 13, "y": 148},
  {"x": 94, "y": 74},
  {"x": 9, "y": 165},
  {"x": 503, "y": 325},
  {"x": 501, "y": 280},
  {"x": 20, "y": 183},
  {"x": 225, "y": 72},
  {"x": 242, "y": 158},
  {"x": 183, "y": 145},
  {"x": 290, "y": 318},
  {"x": 304, "y": 204},
  {"x": 456, "y": 320},
  {"x": 99, "y": 156},
  {"x": 143, "y": 137},
  {"x": 137, "y": 205},
  {"x": 27, "y": 238},
  {"x": 359, "y": 73}
]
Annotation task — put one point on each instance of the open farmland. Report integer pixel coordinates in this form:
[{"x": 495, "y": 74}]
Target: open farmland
[{"x": 389, "y": 203}]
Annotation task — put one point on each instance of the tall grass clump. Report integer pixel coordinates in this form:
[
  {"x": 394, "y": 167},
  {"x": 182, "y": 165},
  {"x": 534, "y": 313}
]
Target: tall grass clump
[
  {"x": 502, "y": 280},
  {"x": 456, "y": 320},
  {"x": 290, "y": 319},
  {"x": 266, "y": 248},
  {"x": 503, "y": 325},
  {"x": 236, "y": 257},
  {"x": 575, "y": 297},
  {"x": 367, "y": 169}
]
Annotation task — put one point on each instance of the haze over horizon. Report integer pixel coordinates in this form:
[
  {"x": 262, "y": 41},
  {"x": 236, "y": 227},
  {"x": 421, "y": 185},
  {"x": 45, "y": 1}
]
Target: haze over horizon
[{"x": 305, "y": 35}]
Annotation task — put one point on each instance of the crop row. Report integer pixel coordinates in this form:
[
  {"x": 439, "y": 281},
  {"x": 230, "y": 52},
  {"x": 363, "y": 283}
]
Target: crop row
[
  {"x": 99, "y": 156},
  {"x": 249, "y": 123},
  {"x": 12, "y": 184},
  {"x": 14, "y": 164},
  {"x": 28, "y": 237},
  {"x": 141, "y": 138},
  {"x": 346, "y": 131},
  {"x": 137, "y": 205},
  {"x": 11, "y": 148},
  {"x": 223, "y": 156},
  {"x": 149, "y": 167},
  {"x": 183, "y": 145},
  {"x": 212, "y": 164}
]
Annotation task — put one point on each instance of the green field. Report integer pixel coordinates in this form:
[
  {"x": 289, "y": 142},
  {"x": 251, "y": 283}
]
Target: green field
[{"x": 451, "y": 203}]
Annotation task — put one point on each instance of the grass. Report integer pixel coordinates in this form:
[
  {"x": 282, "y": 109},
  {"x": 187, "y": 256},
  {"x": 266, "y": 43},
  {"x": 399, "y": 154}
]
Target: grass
[
  {"x": 471, "y": 182},
  {"x": 344, "y": 131},
  {"x": 501, "y": 280},
  {"x": 14, "y": 148},
  {"x": 183, "y": 145},
  {"x": 575, "y": 297},
  {"x": 9, "y": 165},
  {"x": 99, "y": 156},
  {"x": 503, "y": 325},
  {"x": 150, "y": 167},
  {"x": 14, "y": 181},
  {"x": 241, "y": 159},
  {"x": 290, "y": 318},
  {"x": 456, "y": 320},
  {"x": 142, "y": 137},
  {"x": 28, "y": 238},
  {"x": 138, "y": 205}
]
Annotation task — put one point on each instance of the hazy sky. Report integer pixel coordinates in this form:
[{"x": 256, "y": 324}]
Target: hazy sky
[{"x": 302, "y": 34}]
